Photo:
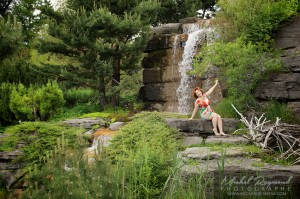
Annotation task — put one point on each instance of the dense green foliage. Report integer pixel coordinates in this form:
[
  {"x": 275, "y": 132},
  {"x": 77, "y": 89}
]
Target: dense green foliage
[
  {"x": 256, "y": 20},
  {"x": 241, "y": 65},
  {"x": 38, "y": 138},
  {"x": 106, "y": 38},
  {"x": 51, "y": 100},
  {"x": 28, "y": 13},
  {"x": 144, "y": 127},
  {"x": 174, "y": 10},
  {"x": 243, "y": 54},
  {"x": 94, "y": 51},
  {"x": 6, "y": 115},
  {"x": 14, "y": 65},
  {"x": 142, "y": 155},
  {"x": 275, "y": 109},
  {"x": 36, "y": 103},
  {"x": 79, "y": 96},
  {"x": 10, "y": 36}
]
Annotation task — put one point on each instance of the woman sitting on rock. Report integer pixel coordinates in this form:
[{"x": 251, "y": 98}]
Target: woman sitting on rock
[{"x": 206, "y": 112}]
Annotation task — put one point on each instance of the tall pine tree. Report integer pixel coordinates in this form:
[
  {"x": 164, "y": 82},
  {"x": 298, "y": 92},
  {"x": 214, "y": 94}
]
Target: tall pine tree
[{"x": 105, "y": 36}]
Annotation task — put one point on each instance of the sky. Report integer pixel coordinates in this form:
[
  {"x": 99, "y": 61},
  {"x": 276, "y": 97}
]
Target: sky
[{"x": 54, "y": 3}]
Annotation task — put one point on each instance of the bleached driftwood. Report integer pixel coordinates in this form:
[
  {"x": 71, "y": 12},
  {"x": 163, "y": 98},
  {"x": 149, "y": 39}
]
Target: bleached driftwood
[{"x": 261, "y": 133}]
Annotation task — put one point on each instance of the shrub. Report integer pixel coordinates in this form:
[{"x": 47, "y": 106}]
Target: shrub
[
  {"x": 257, "y": 20},
  {"x": 147, "y": 144},
  {"x": 276, "y": 109},
  {"x": 36, "y": 103},
  {"x": 39, "y": 137},
  {"x": 6, "y": 115},
  {"x": 20, "y": 103},
  {"x": 51, "y": 100}
]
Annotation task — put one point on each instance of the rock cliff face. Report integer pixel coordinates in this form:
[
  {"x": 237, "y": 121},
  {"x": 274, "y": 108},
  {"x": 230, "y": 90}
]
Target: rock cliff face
[
  {"x": 285, "y": 86},
  {"x": 168, "y": 60}
]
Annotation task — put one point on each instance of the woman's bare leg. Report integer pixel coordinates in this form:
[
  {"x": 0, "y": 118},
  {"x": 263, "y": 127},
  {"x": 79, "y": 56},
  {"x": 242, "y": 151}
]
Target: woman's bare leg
[
  {"x": 215, "y": 123},
  {"x": 220, "y": 124}
]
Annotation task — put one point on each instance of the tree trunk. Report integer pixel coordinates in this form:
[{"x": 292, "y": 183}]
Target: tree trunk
[
  {"x": 102, "y": 93},
  {"x": 116, "y": 80}
]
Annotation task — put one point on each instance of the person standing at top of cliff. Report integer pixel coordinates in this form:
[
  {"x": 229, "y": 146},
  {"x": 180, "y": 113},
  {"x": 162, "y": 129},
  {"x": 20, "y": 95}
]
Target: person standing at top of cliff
[{"x": 206, "y": 112}]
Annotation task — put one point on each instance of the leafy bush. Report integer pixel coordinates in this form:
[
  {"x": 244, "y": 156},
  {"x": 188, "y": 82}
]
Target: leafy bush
[
  {"x": 39, "y": 137},
  {"x": 147, "y": 144},
  {"x": 241, "y": 66},
  {"x": 255, "y": 19},
  {"x": 36, "y": 103},
  {"x": 276, "y": 109},
  {"x": 52, "y": 99},
  {"x": 22, "y": 104}
]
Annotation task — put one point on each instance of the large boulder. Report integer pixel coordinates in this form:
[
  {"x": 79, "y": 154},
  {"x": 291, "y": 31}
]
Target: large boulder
[
  {"x": 10, "y": 167},
  {"x": 200, "y": 126}
]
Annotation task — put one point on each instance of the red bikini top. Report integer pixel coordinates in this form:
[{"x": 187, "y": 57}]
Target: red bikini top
[{"x": 203, "y": 103}]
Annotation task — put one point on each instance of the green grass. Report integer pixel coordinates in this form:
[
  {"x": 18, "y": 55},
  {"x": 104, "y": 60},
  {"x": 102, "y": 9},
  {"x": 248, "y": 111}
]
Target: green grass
[
  {"x": 75, "y": 112},
  {"x": 225, "y": 109},
  {"x": 276, "y": 109}
]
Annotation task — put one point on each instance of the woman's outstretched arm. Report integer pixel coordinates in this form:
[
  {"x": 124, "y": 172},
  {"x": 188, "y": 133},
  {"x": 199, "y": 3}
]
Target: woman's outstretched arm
[{"x": 212, "y": 88}]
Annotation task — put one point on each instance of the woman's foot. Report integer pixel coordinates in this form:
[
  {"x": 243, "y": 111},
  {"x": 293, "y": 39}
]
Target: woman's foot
[
  {"x": 216, "y": 132},
  {"x": 222, "y": 133}
]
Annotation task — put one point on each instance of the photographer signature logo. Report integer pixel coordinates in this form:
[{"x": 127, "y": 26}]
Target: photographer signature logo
[{"x": 255, "y": 185}]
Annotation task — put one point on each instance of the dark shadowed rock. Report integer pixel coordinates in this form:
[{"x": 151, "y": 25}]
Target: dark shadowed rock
[
  {"x": 291, "y": 59},
  {"x": 10, "y": 168},
  {"x": 160, "y": 42},
  {"x": 295, "y": 106},
  {"x": 286, "y": 37},
  {"x": 200, "y": 126},
  {"x": 283, "y": 86}
]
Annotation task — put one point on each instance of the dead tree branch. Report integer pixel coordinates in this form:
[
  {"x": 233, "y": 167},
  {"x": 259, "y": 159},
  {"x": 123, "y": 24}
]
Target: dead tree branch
[{"x": 270, "y": 136}]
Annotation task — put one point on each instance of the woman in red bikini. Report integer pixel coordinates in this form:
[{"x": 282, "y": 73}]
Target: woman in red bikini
[{"x": 206, "y": 112}]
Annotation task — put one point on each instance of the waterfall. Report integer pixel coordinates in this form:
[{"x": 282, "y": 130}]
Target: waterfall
[
  {"x": 175, "y": 45},
  {"x": 196, "y": 35}
]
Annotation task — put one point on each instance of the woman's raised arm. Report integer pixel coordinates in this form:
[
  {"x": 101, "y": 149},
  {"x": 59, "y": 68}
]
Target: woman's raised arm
[{"x": 212, "y": 88}]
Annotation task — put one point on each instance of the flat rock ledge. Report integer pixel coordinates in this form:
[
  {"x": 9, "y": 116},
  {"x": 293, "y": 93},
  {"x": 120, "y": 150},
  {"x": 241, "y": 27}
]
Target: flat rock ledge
[
  {"x": 86, "y": 123},
  {"x": 196, "y": 140},
  {"x": 206, "y": 153},
  {"x": 198, "y": 127}
]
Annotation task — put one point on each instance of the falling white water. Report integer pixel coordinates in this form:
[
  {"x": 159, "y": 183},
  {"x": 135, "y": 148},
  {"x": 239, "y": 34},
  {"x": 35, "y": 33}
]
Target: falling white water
[
  {"x": 195, "y": 34},
  {"x": 102, "y": 141},
  {"x": 175, "y": 45}
]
